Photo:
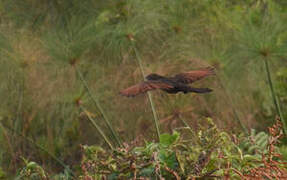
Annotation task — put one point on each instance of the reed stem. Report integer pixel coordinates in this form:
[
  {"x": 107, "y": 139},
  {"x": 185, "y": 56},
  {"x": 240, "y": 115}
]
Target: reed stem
[
  {"x": 275, "y": 100},
  {"x": 98, "y": 128},
  {"x": 148, "y": 93},
  {"x": 96, "y": 101}
]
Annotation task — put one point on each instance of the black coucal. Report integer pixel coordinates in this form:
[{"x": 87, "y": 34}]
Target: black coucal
[{"x": 173, "y": 85}]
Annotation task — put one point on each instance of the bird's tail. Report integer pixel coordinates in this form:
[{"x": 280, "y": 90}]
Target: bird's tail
[{"x": 199, "y": 90}]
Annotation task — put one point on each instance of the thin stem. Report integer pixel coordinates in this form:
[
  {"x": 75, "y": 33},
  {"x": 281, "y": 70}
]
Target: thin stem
[
  {"x": 41, "y": 148},
  {"x": 275, "y": 100},
  {"x": 98, "y": 128},
  {"x": 148, "y": 93},
  {"x": 193, "y": 134},
  {"x": 96, "y": 101},
  {"x": 186, "y": 124}
]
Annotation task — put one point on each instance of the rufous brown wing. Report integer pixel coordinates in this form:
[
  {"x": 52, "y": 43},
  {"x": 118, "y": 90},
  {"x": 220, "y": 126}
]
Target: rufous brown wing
[
  {"x": 192, "y": 76},
  {"x": 144, "y": 87}
]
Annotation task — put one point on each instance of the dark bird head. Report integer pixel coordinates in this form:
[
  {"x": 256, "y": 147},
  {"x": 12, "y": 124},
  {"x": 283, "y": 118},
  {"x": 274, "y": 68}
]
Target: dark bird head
[{"x": 153, "y": 76}]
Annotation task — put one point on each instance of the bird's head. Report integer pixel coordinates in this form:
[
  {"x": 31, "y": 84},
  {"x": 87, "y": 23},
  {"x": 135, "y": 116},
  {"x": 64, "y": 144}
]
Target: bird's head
[{"x": 153, "y": 76}]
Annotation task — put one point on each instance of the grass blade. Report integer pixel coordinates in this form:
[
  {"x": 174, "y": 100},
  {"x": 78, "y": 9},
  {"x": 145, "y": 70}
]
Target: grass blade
[
  {"x": 99, "y": 107},
  {"x": 187, "y": 125},
  {"x": 148, "y": 93},
  {"x": 98, "y": 128}
]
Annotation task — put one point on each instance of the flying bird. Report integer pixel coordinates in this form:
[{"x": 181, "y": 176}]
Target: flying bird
[{"x": 172, "y": 85}]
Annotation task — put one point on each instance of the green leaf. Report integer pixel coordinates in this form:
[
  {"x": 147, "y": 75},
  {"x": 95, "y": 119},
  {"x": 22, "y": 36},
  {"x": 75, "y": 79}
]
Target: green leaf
[
  {"x": 167, "y": 139},
  {"x": 147, "y": 172},
  {"x": 169, "y": 159}
]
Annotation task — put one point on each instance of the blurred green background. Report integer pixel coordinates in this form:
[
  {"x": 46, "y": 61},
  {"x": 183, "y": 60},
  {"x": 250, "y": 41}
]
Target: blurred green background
[{"x": 47, "y": 46}]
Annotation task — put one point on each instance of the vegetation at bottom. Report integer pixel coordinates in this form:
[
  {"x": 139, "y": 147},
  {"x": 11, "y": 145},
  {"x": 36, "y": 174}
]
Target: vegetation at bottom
[
  {"x": 184, "y": 154},
  {"x": 63, "y": 63}
]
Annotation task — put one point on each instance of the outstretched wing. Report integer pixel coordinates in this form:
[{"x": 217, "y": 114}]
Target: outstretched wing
[
  {"x": 144, "y": 87},
  {"x": 191, "y": 76}
]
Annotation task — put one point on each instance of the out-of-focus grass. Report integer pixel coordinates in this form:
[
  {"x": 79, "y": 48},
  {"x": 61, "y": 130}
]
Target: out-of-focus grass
[{"x": 39, "y": 88}]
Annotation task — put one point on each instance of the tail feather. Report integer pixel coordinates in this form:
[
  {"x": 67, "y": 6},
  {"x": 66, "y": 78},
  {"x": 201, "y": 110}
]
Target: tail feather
[{"x": 199, "y": 90}]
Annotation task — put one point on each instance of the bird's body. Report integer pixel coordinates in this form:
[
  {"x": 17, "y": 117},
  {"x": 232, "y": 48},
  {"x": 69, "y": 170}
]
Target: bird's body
[{"x": 172, "y": 85}]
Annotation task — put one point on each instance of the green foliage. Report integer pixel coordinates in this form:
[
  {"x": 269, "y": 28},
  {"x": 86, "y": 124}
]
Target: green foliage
[
  {"x": 174, "y": 156},
  {"x": 71, "y": 42},
  {"x": 167, "y": 139},
  {"x": 256, "y": 143},
  {"x": 32, "y": 171}
]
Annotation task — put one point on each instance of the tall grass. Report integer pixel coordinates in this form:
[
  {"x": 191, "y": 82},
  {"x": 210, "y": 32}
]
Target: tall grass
[
  {"x": 74, "y": 44},
  {"x": 101, "y": 111},
  {"x": 29, "y": 140},
  {"x": 274, "y": 97},
  {"x": 41, "y": 40},
  {"x": 149, "y": 94},
  {"x": 260, "y": 43}
]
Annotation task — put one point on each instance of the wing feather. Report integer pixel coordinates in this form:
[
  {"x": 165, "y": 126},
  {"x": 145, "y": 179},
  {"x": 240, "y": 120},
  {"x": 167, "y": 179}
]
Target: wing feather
[
  {"x": 192, "y": 76},
  {"x": 144, "y": 87}
]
